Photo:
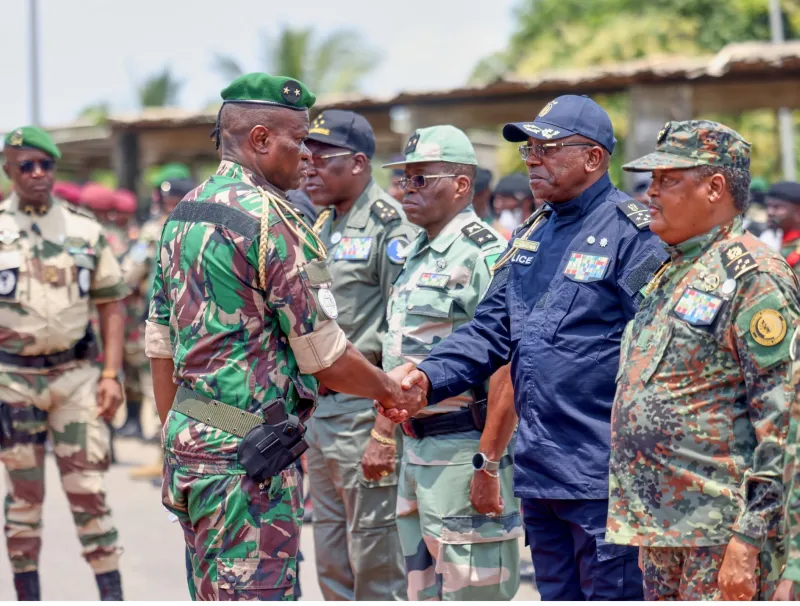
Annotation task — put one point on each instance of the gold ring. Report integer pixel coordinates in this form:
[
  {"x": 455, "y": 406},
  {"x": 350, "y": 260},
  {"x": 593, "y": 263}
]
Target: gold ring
[{"x": 384, "y": 474}]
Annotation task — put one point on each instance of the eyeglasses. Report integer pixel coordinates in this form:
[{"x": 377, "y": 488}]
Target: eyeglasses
[
  {"x": 28, "y": 166},
  {"x": 326, "y": 157},
  {"x": 540, "y": 150},
  {"x": 419, "y": 181}
]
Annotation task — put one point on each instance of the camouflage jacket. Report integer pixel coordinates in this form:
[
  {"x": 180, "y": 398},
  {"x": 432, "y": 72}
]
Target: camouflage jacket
[
  {"x": 791, "y": 471},
  {"x": 441, "y": 284},
  {"x": 52, "y": 268},
  {"x": 231, "y": 337},
  {"x": 701, "y": 409}
]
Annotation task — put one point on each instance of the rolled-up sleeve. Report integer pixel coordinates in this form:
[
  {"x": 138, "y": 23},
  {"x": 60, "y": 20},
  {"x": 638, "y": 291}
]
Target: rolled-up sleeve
[
  {"x": 157, "y": 335},
  {"x": 299, "y": 296}
]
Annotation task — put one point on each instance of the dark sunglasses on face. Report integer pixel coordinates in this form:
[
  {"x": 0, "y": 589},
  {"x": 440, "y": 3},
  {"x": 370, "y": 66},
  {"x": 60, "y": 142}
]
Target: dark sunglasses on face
[
  {"x": 419, "y": 181},
  {"x": 28, "y": 166}
]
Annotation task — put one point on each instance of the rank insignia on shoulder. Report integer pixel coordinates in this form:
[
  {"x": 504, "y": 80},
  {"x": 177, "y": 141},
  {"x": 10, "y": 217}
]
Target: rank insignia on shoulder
[
  {"x": 384, "y": 212},
  {"x": 478, "y": 233},
  {"x": 430, "y": 280},
  {"x": 738, "y": 261},
  {"x": 768, "y": 327},
  {"x": 637, "y": 212},
  {"x": 697, "y": 307}
]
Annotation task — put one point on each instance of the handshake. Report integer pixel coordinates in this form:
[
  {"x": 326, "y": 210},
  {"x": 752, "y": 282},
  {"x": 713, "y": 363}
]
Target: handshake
[{"x": 408, "y": 393}]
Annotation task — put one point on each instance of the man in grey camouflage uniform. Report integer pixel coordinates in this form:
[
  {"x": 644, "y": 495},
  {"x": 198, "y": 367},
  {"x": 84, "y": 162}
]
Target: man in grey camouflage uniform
[{"x": 455, "y": 547}]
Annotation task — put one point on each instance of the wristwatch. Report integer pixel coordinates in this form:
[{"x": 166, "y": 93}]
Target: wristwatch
[
  {"x": 117, "y": 375},
  {"x": 480, "y": 462}
]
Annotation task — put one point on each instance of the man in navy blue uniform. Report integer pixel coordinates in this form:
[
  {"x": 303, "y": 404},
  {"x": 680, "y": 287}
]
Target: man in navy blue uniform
[{"x": 561, "y": 295}]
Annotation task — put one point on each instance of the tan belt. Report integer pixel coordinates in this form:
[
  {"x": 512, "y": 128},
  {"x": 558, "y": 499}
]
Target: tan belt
[{"x": 214, "y": 413}]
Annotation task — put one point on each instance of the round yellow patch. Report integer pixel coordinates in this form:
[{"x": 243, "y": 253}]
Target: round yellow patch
[{"x": 768, "y": 327}]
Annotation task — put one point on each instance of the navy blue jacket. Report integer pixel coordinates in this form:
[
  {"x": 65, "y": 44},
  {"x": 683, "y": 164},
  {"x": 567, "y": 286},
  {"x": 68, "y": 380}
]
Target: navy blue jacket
[{"x": 557, "y": 314}]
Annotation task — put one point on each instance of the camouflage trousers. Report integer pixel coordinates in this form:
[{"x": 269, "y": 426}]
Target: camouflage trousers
[
  {"x": 63, "y": 404},
  {"x": 241, "y": 537},
  {"x": 355, "y": 534},
  {"x": 690, "y": 573},
  {"x": 451, "y": 551}
]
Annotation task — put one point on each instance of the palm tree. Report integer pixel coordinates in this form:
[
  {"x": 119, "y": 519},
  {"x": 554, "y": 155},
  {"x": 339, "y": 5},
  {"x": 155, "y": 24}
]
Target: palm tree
[
  {"x": 336, "y": 64},
  {"x": 159, "y": 90}
]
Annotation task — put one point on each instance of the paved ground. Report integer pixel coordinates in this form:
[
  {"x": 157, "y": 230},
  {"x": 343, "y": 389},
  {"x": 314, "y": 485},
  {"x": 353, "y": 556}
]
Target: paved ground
[{"x": 152, "y": 565}]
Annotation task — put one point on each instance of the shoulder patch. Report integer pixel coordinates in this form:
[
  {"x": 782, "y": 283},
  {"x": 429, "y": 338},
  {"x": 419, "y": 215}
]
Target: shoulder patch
[
  {"x": 384, "y": 212},
  {"x": 79, "y": 211},
  {"x": 397, "y": 250},
  {"x": 637, "y": 213},
  {"x": 737, "y": 260},
  {"x": 478, "y": 233},
  {"x": 321, "y": 218}
]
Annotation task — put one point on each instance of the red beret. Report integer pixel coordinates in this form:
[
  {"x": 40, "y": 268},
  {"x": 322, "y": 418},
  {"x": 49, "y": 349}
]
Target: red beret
[
  {"x": 125, "y": 201},
  {"x": 71, "y": 192},
  {"x": 96, "y": 197}
]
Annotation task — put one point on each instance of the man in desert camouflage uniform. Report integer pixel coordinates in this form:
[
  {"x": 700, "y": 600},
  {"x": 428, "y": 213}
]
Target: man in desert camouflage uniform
[
  {"x": 241, "y": 318},
  {"x": 701, "y": 409},
  {"x": 352, "y": 455},
  {"x": 54, "y": 264},
  {"x": 455, "y": 548}
]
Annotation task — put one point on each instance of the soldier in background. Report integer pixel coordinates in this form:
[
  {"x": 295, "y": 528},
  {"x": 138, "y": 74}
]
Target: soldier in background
[
  {"x": 55, "y": 263},
  {"x": 783, "y": 209}
]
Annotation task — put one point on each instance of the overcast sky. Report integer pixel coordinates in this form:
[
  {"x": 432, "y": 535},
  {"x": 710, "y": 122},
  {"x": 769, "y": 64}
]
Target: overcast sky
[{"x": 98, "y": 50}]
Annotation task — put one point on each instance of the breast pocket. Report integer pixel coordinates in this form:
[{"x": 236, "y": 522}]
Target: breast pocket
[
  {"x": 10, "y": 263},
  {"x": 429, "y": 319}
]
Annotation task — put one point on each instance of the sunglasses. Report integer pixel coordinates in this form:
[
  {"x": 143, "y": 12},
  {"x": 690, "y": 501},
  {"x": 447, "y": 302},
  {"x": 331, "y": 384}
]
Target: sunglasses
[
  {"x": 540, "y": 150},
  {"x": 419, "y": 181},
  {"x": 29, "y": 166},
  {"x": 321, "y": 161}
]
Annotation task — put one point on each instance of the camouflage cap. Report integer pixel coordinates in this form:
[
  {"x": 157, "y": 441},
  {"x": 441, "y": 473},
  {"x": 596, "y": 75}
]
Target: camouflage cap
[
  {"x": 33, "y": 137},
  {"x": 443, "y": 143},
  {"x": 695, "y": 143}
]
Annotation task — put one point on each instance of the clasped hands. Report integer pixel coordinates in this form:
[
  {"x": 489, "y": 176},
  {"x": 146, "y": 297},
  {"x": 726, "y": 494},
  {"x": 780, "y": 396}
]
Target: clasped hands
[{"x": 409, "y": 392}]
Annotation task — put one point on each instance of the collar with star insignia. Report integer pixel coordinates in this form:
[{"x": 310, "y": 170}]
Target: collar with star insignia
[{"x": 36, "y": 210}]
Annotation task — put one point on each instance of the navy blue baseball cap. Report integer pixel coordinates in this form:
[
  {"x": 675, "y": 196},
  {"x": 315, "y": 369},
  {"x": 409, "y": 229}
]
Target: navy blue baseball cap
[
  {"x": 343, "y": 128},
  {"x": 565, "y": 116}
]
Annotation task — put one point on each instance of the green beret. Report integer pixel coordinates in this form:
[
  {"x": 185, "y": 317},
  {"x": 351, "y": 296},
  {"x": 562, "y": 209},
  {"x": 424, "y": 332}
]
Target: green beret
[
  {"x": 31, "y": 136},
  {"x": 171, "y": 172},
  {"x": 269, "y": 90}
]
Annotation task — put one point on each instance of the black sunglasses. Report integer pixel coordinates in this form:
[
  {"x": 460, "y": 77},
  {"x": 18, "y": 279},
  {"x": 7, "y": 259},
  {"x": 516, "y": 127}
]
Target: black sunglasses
[{"x": 28, "y": 166}]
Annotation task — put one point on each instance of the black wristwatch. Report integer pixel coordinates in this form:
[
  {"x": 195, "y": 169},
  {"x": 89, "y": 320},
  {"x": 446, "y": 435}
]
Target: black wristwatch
[{"x": 480, "y": 462}]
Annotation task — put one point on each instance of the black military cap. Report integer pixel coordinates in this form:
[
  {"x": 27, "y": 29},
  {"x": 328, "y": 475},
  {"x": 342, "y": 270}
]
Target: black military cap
[
  {"x": 343, "y": 129},
  {"x": 785, "y": 190},
  {"x": 482, "y": 179},
  {"x": 515, "y": 185},
  {"x": 177, "y": 187}
]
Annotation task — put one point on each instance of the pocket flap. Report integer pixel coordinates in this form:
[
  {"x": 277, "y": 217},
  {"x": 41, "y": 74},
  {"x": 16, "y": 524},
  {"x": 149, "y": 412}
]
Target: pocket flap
[
  {"x": 10, "y": 259},
  {"x": 431, "y": 303},
  {"x": 84, "y": 260},
  {"x": 244, "y": 574},
  {"x": 479, "y": 528}
]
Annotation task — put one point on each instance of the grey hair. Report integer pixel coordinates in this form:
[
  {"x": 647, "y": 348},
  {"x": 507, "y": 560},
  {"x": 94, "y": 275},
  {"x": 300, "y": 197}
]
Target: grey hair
[{"x": 737, "y": 180}]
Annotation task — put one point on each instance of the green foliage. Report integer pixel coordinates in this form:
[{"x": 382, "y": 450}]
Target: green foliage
[
  {"x": 160, "y": 90},
  {"x": 335, "y": 64},
  {"x": 96, "y": 113}
]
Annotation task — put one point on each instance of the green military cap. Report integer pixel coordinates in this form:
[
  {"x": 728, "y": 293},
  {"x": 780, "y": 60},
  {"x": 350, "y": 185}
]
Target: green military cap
[
  {"x": 264, "y": 89},
  {"x": 695, "y": 143},
  {"x": 171, "y": 172},
  {"x": 444, "y": 143},
  {"x": 31, "y": 136}
]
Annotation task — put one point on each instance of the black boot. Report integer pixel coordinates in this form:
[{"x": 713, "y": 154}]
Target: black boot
[
  {"x": 110, "y": 586},
  {"x": 132, "y": 427},
  {"x": 27, "y": 586}
]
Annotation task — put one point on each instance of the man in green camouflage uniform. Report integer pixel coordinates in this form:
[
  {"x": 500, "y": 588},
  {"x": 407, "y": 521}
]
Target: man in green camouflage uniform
[
  {"x": 352, "y": 455},
  {"x": 459, "y": 526},
  {"x": 55, "y": 264},
  {"x": 701, "y": 409},
  {"x": 241, "y": 318}
]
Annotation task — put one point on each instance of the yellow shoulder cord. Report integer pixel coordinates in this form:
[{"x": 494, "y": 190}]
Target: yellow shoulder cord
[
  {"x": 316, "y": 245},
  {"x": 262, "y": 244},
  {"x": 514, "y": 248},
  {"x": 654, "y": 283}
]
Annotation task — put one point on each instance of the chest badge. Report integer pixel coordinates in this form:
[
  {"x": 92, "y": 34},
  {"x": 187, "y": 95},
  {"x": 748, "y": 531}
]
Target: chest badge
[
  {"x": 728, "y": 286},
  {"x": 591, "y": 240},
  {"x": 336, "y": 237},
  {"x": 353, "y": 249},
  {"x": 441, "y": 264},
  {"x": 711, "y": 281},
  {"x": 603, "y": 242},
  {"x": 8, "y": 282},
  {"x": 586, "y": 268},
  {"x": 768, "y": 327},
  {"x": 697, "y": 307}
]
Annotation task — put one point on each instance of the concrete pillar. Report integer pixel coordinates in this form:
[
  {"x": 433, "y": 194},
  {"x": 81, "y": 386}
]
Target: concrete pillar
[
  {"x": 125, "y": 159},
  {"x": 650, "y": 107}
]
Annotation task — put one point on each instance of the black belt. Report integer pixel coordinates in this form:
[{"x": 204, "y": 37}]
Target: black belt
[
  {"x": 82, "y": 350},
  {"x": 436, "y": 425}
]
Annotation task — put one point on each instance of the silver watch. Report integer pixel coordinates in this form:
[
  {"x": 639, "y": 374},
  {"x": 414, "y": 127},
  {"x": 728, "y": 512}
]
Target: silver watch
[{"x": 480, "y": 462}]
